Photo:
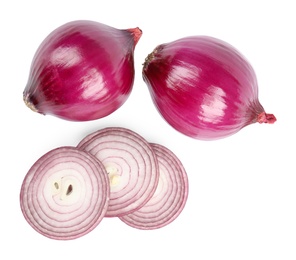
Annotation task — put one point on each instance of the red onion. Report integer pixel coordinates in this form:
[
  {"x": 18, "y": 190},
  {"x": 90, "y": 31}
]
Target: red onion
[
  {"x": 169, "y": 198},
  {"x": 65, "y": 193},
  {"x": 131, "y": 165},
  {"x": 203, "y": 87},
  {"x": 83, "y": 70}
]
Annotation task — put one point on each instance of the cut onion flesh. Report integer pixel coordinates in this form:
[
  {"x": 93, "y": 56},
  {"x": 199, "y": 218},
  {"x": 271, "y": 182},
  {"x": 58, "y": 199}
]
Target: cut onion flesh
[
  {"x": 131, "y": 165},
  {"x": 169, "y": 198},
  {"x": 65, "y": 193}
]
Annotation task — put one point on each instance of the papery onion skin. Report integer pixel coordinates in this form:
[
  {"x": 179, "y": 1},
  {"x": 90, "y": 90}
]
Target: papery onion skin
[
  {"x": 203, "y": 87},
  {"x": 65, "y": 194},
  {"x": 82, "y": 71}
]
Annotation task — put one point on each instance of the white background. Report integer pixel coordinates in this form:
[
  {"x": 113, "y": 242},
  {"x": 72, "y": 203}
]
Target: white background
[{"x": 242, "y": 199}]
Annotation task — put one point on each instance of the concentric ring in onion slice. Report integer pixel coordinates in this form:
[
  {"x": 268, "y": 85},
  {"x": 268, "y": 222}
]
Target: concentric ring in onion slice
[
  {"x": 65, "y": 193},
  {"x": 169, "y": 198},
  {"x": 130, "y": 163}
]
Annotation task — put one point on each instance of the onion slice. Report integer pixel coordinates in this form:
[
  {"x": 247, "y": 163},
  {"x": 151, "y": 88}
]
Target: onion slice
[
  {"x": 65, "y": 193},
  {"x": 169, "y": 198},
  {"x": 131, "y": 165}
]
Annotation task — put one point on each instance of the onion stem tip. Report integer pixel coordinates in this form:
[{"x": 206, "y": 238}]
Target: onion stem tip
[
  {"x": 266, "y": 118},
  {"x": 137, "y": 33}
]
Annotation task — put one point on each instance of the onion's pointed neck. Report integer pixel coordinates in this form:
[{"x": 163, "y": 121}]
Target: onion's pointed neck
[
  {"x": 266, "y": 118},
  {"x": 137, "y": 33}
]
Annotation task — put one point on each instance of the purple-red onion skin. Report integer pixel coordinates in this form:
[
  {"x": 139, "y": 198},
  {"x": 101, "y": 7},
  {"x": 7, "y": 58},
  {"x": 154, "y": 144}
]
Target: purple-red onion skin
[
  {"x": 82, "y": 71},
  {"x": 203, "y": 87}
]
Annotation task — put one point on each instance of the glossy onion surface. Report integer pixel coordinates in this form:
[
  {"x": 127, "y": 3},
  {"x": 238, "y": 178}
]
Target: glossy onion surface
[
  {"x": 83, "y": 70},
  {"x": 203, "y": 87}
]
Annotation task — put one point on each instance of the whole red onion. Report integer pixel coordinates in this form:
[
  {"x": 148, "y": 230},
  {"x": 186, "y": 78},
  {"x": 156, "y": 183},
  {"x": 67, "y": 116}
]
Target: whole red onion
[
  {"x": 83, "y": 70},
  {"x": 204, "y": 87}
]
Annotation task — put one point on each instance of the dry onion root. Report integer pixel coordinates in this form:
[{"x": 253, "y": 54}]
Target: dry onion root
[{"x": 113, "y": 172}]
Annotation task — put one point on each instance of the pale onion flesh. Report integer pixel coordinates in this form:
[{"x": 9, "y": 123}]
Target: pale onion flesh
[
  {"x": 170, "y": 197},
  {"x": 65, "y": 194},
  {"x": 131, "y": 165}
]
